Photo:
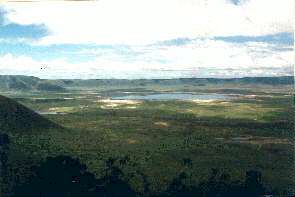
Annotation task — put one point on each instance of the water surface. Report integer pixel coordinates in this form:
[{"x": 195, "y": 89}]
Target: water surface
[{"x": 174, "y": 96}]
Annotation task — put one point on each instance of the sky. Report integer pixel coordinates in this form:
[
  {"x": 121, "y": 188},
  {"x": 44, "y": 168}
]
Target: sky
[{"x": 147, "y": 38}]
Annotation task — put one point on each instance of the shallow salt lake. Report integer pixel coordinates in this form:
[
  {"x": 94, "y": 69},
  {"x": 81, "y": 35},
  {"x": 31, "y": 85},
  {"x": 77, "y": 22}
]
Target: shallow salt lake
[
  {"x": 49, "y": 113},
  {"x": 174, "y": 96}
]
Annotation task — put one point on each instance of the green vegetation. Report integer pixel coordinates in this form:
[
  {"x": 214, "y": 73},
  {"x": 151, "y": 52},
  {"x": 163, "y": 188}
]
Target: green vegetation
[{"x": 253, "y": 131}]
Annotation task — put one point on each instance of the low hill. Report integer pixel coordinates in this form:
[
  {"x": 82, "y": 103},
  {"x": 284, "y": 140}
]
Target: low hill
[
  {"x": 27, "y": 83},
  {"x": 285, "y": 80},
  {"x": 43, "y": 86},
  {"x": 16, "y": 117}
]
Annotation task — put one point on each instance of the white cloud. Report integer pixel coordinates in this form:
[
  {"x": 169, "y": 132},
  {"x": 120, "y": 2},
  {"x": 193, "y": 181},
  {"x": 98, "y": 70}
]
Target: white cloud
[
  {"x": 202, "y": 58},
  {"x": 138, "y": 22}
]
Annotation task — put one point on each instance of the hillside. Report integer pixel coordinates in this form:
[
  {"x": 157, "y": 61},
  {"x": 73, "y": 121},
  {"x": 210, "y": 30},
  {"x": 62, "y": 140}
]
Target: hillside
[
  {"x": 16, "y": 117},
  {"x": 285, "y": 80},
  {"x": 27, "y": 83}
]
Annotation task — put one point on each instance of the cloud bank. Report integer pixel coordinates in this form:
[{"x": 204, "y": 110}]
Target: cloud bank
[{"x": 148, "y": 38}]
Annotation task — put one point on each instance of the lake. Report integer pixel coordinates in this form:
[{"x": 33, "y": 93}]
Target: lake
[
  {"x": 49, "y": 113},
  {"x": 174, "y": 96}
]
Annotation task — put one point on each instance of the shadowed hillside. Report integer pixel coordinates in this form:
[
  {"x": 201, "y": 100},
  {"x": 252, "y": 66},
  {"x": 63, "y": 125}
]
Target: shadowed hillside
[{"x": 16, "y": 117}]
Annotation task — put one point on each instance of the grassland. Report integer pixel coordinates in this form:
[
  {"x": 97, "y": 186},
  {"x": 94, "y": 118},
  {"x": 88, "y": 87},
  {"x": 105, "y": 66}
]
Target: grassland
[{"x": 251, "y": 131}]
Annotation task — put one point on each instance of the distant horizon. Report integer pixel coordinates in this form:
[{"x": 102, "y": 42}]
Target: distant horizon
[{"x": 152, "y": 78}]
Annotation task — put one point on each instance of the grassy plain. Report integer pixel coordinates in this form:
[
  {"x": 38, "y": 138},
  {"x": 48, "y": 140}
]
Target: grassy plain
[{"x": 251, "y": 131}]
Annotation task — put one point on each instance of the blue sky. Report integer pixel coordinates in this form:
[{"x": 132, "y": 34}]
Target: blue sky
[{"x": 190, "y": 38}]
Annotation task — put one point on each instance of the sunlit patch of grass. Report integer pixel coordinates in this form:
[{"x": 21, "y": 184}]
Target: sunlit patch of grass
[
  {"x": 132, "y": 141},
  {"x": 162, "y": 124},
  {"x": 62, "y": 109},
  {"x": 230, "y": 110},
  {"x": 116, "y": 104}
]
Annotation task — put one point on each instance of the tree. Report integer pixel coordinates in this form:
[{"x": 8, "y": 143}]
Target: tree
[
  {"x": 59, "y": 176},
  {"x": 4, "y": 150},
  {"x": 63, "y": 176},
  {"x": 253, "y": 185}
]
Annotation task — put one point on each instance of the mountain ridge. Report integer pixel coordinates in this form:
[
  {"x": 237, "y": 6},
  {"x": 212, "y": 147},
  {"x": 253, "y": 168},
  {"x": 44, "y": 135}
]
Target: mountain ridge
[{"x": 25, "y": 83}]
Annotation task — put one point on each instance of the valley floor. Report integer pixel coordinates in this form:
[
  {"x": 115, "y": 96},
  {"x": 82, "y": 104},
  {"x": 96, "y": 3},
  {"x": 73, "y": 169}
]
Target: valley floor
[{"x": 251, "y": 131}]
